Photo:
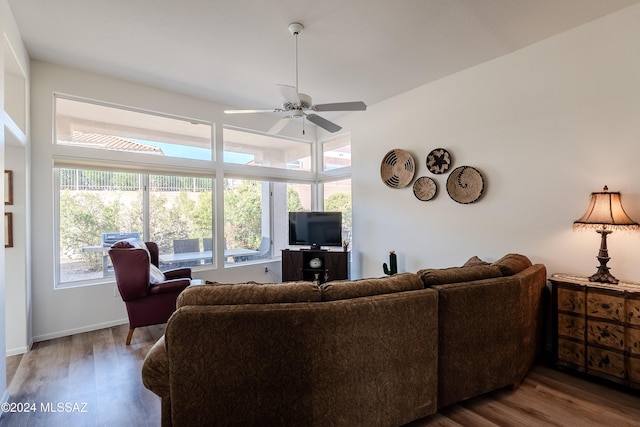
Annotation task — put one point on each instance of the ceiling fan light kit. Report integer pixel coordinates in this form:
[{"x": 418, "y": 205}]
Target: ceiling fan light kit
[{"x": 296, "y": 103}]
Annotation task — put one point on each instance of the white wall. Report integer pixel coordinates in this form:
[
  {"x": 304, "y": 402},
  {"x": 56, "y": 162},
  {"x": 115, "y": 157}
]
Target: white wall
[
  {"x": 546, "y": 126},
  {"x": 72, "y": 310}
]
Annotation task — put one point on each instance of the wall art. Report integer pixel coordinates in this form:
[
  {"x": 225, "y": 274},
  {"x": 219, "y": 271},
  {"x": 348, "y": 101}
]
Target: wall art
[
  {"x": 397, "y": 168},
  {"x": 8, "y": 187},
  {"x": 465, "y": 184},
  {"x": 8, "y": 230},
  {"x": 425, "y": 188},
  {"x": 438, "y": 161}
]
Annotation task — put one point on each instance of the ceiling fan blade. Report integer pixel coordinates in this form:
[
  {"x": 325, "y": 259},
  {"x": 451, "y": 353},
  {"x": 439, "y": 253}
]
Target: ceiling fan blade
[
  {"x": 264, "y": 110},
  {"x": 323, "y": 123},
  {"x": 290, "y": 94},
  {"x": 341, "y": 106},
  {"x": 280, "y": 124}
]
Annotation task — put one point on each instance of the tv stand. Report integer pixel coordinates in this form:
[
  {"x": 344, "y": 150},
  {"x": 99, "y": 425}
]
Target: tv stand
[{"x": 297, "y": 265}]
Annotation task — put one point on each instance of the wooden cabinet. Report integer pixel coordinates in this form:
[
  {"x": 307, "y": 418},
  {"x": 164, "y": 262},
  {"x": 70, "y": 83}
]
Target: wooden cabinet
[
  {"x": 596, "y": 328},
  {"x": 309, "y": 264}
]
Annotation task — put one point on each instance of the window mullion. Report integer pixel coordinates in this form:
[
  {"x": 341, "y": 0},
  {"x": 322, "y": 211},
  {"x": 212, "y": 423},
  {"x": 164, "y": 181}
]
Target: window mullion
[{"x": 146, "y": 230}]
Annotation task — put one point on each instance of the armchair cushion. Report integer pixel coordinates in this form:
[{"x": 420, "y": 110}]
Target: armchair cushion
[{"x": 155, "y": 275}]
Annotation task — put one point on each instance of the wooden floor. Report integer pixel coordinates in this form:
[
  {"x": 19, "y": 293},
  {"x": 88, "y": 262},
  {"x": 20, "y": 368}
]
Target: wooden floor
[{"x": 96, "y": 373}]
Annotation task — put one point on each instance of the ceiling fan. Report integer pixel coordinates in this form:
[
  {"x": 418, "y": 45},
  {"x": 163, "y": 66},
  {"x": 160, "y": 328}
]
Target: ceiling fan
[{"x": 297, "y": 104}]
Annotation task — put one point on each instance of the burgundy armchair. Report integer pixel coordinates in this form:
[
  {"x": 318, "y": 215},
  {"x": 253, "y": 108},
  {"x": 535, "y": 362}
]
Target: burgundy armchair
[{"x": 147, "y": 303}]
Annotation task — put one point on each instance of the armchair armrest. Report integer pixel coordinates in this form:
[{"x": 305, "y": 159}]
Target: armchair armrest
[
  {"x": 174, "y": 285},
  {"x": 178, "y": 273}
]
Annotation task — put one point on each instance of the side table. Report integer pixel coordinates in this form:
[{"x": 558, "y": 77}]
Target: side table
[{"x": 596, "y": 328}]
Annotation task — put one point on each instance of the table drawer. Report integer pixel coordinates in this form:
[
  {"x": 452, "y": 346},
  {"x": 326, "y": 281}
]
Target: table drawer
[
  {"x": 632, "y": 341},
  {"x": 571, "y": 326},
  {"x": 633, "y": 311},
  {"x": 605, "y": 334},
  {"x": 571, "y": 352},
  {"x": 605, "y": 361},
  {"x": 605, "y": 306},
  {"x": 634, "y": 371},
  {"x": 571, "y": 300}
]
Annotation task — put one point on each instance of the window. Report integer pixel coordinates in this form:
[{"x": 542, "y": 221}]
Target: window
[
  {"x": 255, "y": 149},
  {"x": 337, "y": 198},
  {"x": 336, "y": 152},
  {"x": 91, "y": 125},
  {"x": 256, "y": 217},
  {"x": 98, "y": 208}
]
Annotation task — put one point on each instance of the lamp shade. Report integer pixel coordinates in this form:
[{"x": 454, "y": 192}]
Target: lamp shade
[{"x": 605, "y": 211}]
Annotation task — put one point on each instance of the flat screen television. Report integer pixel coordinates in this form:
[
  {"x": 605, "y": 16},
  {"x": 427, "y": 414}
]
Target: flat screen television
[{"x": 315, "y": 229}]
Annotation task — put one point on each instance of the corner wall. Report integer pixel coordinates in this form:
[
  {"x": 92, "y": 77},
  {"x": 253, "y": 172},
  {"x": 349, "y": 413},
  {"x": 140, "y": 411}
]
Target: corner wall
[{"x": 546, "y": 126}]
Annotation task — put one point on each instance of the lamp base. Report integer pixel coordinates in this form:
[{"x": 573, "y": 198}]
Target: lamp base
[{"x": 603, "y": 275}]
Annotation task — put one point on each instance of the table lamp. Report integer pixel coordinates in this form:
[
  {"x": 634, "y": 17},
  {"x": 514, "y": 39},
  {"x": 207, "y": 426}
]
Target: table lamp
[{"x": 605, "y": 214}]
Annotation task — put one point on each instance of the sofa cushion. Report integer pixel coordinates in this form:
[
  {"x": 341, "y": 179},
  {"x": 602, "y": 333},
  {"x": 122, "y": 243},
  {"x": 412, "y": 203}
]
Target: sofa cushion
[
  {"x": 511, "y": 264},
  {"x": 441, "y": 276},
  {"x": 474, "y": 260},
  {"x": 345, "y": 289},
  {"x": 249, "y": 293}
]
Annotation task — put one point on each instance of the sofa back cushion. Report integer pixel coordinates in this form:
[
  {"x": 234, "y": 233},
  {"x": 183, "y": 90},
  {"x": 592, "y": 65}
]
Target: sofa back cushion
[
  {"x": 511, "y": 264},
  {"x": 249, "y": 293},
  {"x": 441, "y": 276},
  {"x": 345, "y": 289}
]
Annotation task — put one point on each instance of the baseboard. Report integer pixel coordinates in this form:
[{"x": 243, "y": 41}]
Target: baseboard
[
  {"x": 18, "y": 350},
  {"x": 80, "y": 330}
]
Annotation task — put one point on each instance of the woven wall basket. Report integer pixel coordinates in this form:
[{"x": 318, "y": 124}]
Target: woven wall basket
[
  {"x": 465, "y": 184},
  {"x": 397, "y": 168}
]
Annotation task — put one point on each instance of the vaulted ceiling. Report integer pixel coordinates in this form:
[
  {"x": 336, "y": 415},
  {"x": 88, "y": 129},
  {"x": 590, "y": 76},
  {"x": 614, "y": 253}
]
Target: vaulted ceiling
[{"x": 235, "y": 51}]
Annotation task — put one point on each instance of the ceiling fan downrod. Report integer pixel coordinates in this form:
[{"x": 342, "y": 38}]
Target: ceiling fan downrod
[{"x": 296, "y": 28}]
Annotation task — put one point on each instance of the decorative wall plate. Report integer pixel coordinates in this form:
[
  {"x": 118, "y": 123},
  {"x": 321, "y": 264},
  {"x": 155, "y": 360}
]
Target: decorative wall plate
[
  {"x": 465, "y": 184},
  {"x": 397, "y": 168},
  {"x": 438, "y": 161},
  {"x": 424, "y": 188}
]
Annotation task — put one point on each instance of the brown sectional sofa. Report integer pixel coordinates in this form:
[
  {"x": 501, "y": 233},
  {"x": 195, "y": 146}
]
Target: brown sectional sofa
[{"x": 369, "y": 352}]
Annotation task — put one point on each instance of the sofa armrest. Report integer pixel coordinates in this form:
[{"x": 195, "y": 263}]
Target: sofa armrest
[
  {"x": 178, "y": 273},
  {"x": 175, "y": 285},
  {"x": 155, "y": 369}
]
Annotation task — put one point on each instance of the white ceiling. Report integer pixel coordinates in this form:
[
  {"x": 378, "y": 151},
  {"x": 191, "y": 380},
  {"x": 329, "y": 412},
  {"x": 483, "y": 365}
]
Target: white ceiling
[{"x": 235, "y": 51}]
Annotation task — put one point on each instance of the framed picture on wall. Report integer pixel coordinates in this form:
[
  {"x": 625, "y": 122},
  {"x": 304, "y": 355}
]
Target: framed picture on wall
[
  {"x": 8, "y": 187},
  {"x": 8, "y": 230}
]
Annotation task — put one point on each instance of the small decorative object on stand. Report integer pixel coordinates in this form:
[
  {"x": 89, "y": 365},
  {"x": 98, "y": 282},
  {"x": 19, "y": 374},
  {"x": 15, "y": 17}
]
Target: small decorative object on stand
[
  {"x": 345, "y": 245},
  {"x": 605, "y": 214},
  {"x": 393, "y": 264},
  {"x": 315, "y": 263}
]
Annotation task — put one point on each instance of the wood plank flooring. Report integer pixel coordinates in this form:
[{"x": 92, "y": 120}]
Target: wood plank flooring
[{"x": 97, "y": 369}]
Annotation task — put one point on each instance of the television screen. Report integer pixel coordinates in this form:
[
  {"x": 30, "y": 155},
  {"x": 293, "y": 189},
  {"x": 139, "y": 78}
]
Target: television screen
[{"x": 315, "y": 229}]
